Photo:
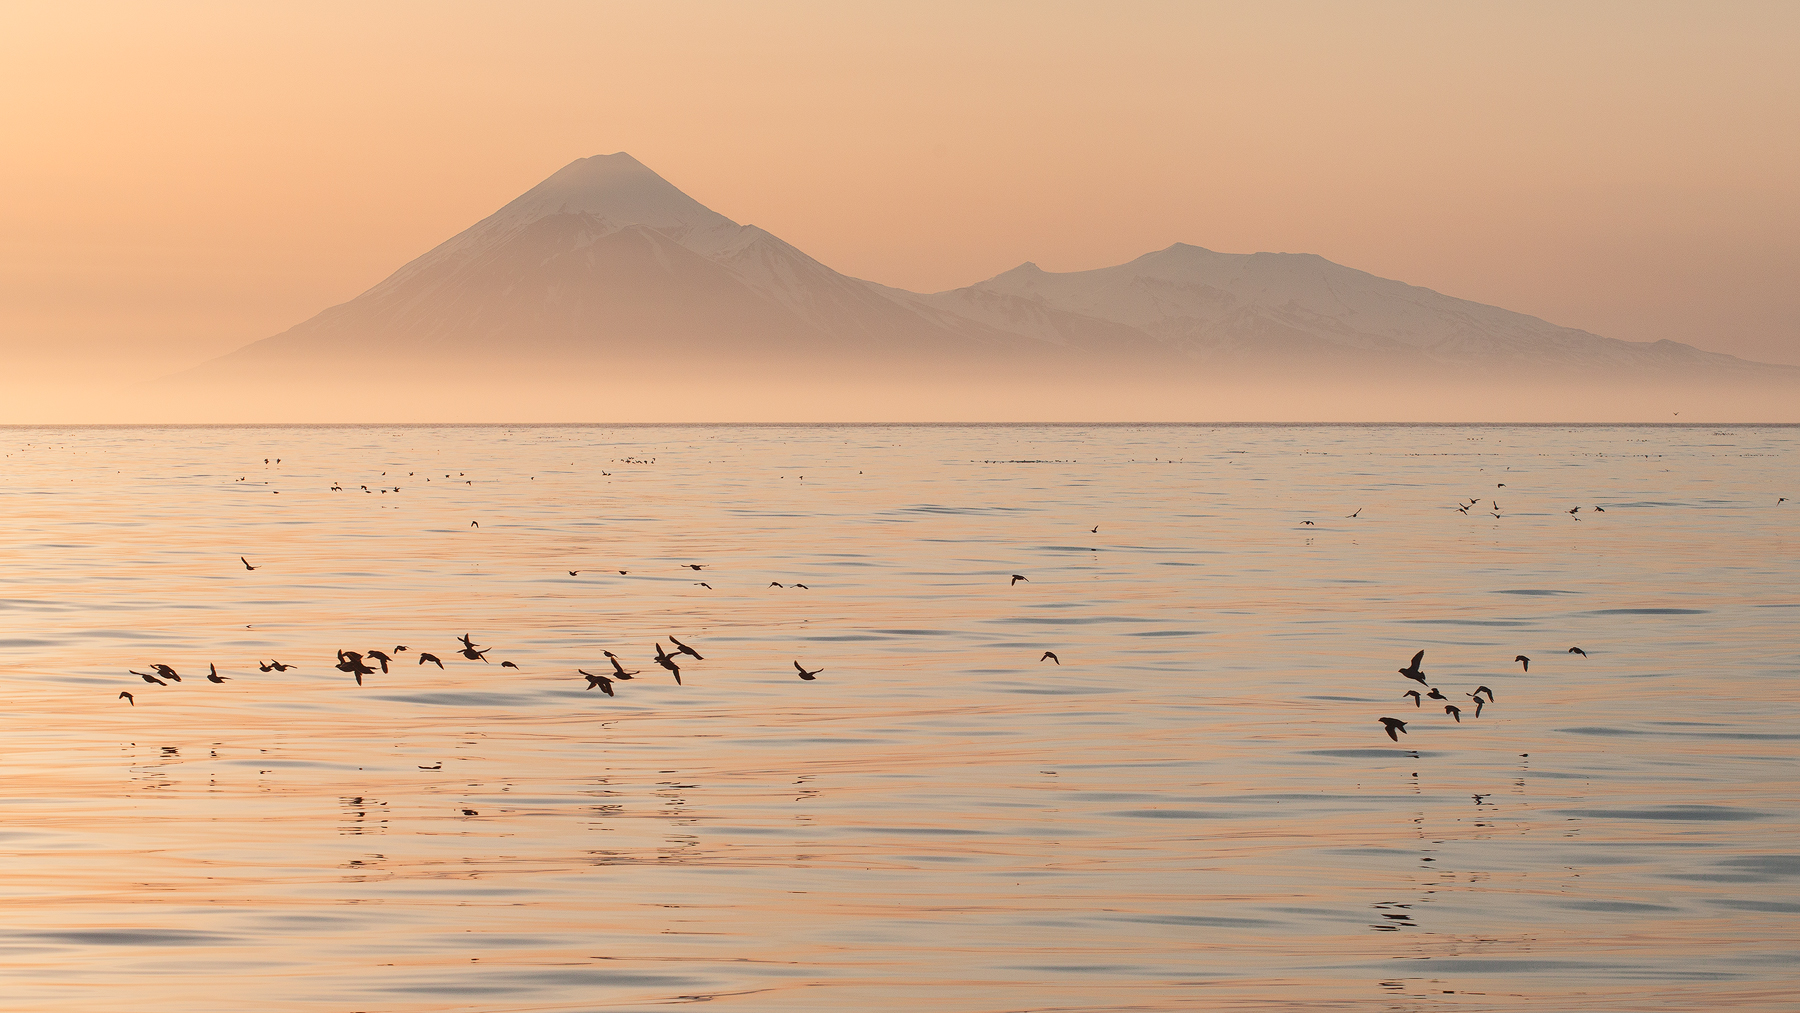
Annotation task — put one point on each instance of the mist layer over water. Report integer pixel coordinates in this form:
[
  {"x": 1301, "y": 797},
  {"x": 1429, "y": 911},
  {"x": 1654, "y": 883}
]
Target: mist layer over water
[{"x": 1197, "y": 808}]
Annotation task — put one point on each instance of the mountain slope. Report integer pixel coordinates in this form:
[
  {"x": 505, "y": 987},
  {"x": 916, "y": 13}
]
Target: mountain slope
[{"x": 606, "y": 266}]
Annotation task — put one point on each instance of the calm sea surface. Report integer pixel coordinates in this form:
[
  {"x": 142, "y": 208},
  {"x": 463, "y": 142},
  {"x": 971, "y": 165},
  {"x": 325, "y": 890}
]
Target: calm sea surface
[{"x": 1196, "y": 809}]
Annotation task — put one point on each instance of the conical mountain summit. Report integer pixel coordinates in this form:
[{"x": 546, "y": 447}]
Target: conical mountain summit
[{"x": 605, "y": 266}]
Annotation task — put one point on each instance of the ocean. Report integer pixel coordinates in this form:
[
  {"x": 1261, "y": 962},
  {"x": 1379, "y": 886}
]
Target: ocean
[{"x": 1193, "y": 805}]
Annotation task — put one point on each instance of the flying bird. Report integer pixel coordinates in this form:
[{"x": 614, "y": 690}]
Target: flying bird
[
  {"x": 1018, "y": 577},
  {"x": 692, "y": 566},
  {"x": 425, "y": 656},
  {"x": 1050, "y": 656},
  {"x": 147, "y": 677},
  {"x": 618, "y": 669},
  {"x": 381, "y": 657},
  {"x": 668, "y": 663},
  {"x": 265, "y": 666},
  {"x": 1308, "y": 523},
  {"x": 246, "y": 563},
  {"x": 1394, "y": 725},
  {"x": 574, "y": 572},
  {"x": 704, "y": 584},
  {"x": 128, "y": 698},
  {"x": 775, "y": 583},
  {"x": 214, "y": 676},
  {"x": 473, "y": 524},
  {"x": 1094, "y": 530},
  {"x": 1358, "y": 511},
  {"x": 436, "y": 766},
  {"x": 1435, "y": 695},
  {"x": 1454, "y": 711},
  {"x": 1523, "y": 660},
  {"x": 1415, "y": 695},
  {"x": 1477, "y": 698},
  {"x": 601, "y": 681},
  {"x": 681, "y": 648},
  {"x": 1484, "y": 689},
  {"x": 467, "y": 641},
  {"x": 1577, "y": 650},
  {"x": 804, "y": 674},
  {"x": 473, "y": 655},
  {"x": 166, "y": 672},
  {"x": 1412, "y": 671},
  {"x": 508, "y": 664}
]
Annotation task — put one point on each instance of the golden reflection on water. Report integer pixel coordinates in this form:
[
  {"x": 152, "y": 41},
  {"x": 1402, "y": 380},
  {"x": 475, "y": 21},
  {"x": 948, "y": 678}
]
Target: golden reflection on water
[{"x": 1196, "y": 809}]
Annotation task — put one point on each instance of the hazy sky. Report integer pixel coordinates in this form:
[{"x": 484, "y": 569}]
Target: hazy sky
[{"x": 183, "y": 178}]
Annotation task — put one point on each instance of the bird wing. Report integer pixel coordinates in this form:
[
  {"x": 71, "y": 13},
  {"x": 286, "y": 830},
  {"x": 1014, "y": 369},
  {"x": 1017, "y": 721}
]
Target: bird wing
[{"x": 1418, "y": 658}]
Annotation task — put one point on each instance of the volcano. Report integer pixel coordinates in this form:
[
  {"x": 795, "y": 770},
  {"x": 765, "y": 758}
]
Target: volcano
[{"x": 605, "y": 268}]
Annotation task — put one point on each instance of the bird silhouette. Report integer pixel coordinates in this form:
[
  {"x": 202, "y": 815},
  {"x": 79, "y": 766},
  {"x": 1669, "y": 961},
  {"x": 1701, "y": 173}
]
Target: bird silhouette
[
  {"x": 669, "y": 663},
  {"x": 681, "y": 648},
  {"x": 1454, "y": 711},
  {"x": 467, "y": 642},
  {"x": 1435, "y": 695},
  {"x": 692, "y": 566},
  {"x": 804, "y": 674},
  {"x": 166, "y": 672},
  {"x": 214, "y": 676},
  {"x": 352, "y": 662},
  {"x": 1412, "y": 671},
  {"x": 1599, "y": 509},
  {"x": 473, "y": 655},
  {"x": 1477, "y": 698},
  {"x": 1523, "y": 660},
  {"x": 704, "y": 584},
  {"x": 774, "y": 583},
  {"x": 1358, "y": 511},
  {"x": 803, "y": 587},
  {"x": 246, "y": 563},
  {"x": 425, "y": 656},
  {"x": 1394, "y": 725},
  {"x": 436, "y": 766},
  {"x": 1577, "y": 650},
  {"x": 265, "y": 666},
  {"x": 618, "y": 669},
  {"x": 1574, "y": 510},
  {"x": 473, "y": 524},
  {"x": 574, "y": 572},
  {"x": 1094, "y": 530},
  {"x": 1309, "y": 523},
  {"x": 381, "y": 657},
  {"x": 127, "y": 697},
  {"x": 1018, "y": 577},
  {"x": 147, "y": 677},
  {"x": 1484, "y": 689},
  {"x": 279, "y": 667},
  {"x": 601, "y": 681},
  {"x": 1050, "y": 656},
  {"x": 1415, "y": 697},
  {"x": 399, "y": 647}
]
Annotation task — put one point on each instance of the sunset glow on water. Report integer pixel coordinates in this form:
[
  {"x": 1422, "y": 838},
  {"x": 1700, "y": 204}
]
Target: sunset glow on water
[{"x": 1196, "y": 808}]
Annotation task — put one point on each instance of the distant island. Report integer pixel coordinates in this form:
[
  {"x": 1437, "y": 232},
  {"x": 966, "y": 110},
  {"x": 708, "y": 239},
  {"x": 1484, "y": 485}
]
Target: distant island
[{"x": 606, "y": 270}]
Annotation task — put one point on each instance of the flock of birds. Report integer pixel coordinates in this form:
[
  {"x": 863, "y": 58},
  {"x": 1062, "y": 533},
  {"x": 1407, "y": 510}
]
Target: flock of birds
[
  {"x": 1396, "y": 727},
  {"x": 358, "y": 664}
]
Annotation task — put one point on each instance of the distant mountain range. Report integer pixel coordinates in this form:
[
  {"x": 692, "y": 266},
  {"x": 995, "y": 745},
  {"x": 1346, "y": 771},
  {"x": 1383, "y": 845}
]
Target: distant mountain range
[{"x": 606, "y": 266}]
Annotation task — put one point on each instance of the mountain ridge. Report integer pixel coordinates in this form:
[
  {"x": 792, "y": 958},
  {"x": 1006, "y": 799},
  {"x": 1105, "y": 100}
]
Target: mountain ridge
[{"x": 606, "y": 262}]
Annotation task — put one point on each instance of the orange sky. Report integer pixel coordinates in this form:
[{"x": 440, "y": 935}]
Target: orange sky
[{"x": 185, "y": 178}]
